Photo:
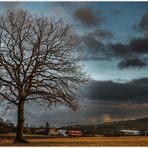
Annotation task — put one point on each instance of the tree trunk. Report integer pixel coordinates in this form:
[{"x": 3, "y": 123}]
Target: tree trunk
[{"x": 20, "y": 124}]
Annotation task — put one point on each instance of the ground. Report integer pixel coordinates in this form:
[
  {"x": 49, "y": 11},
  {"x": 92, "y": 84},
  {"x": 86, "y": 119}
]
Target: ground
[{"x": 7, "y": 140}]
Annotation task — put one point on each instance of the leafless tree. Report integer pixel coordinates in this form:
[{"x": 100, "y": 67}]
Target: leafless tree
[{"x": 37, "y": 62}]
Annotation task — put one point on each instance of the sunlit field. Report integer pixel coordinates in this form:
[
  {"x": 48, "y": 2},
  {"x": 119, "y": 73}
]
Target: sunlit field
[{"x": 79, "y": 141}]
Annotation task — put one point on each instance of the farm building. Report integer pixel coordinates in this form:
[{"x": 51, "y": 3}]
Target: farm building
[
  {"x": 53, "y": 132},
  {"x": 62, "y": 132},
  {"x": 130, "y": 132},
  {"x": 75, "y": 133}
]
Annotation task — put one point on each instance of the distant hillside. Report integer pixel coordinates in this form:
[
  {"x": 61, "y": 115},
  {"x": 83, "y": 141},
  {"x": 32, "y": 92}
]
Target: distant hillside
[
  {"x": 3, "y": 127},
  {"x": 136, "y": 124},
  {"x": 6, "y": 127}
]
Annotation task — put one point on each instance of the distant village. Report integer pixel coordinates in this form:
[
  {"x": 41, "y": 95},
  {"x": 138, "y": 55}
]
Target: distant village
[
  {"x": 74, "y": 131},
  {"x": 47, "y": 130}
]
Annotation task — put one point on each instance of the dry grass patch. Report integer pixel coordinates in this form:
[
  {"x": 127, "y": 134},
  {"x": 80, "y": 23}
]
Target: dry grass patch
[{"x": 81, "y": 141}]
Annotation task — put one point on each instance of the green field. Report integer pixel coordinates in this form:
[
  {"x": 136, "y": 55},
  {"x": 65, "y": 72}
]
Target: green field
[{"x": 78, "y": 141}]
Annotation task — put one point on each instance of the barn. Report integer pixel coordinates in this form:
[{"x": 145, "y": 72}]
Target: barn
[{"x": 74, "y": 133}]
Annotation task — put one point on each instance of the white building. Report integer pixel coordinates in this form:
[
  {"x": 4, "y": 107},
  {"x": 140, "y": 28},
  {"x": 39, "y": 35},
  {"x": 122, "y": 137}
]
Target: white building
[
  {"x": 130, "y": 132},
  {"x": 62, "y": 133}
]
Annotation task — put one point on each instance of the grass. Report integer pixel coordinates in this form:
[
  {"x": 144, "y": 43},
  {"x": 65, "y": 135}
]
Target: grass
[{"x": 79, "y": 141}]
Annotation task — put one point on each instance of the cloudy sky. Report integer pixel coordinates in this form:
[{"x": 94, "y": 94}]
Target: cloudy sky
[{"x": 112, "y": 40}]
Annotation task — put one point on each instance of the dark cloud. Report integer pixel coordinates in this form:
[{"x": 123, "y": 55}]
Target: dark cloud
[
  {"x": 135, "y": 47},
  {"x": 93, "y": 40},
  {"x": 102, "y": 101},
  {"x": 100, "y": 34},
  {"x": 129, "y": 92},
  {"x": 132, "y": 63},
  {"x": 119, "y": 50},
  {"x": 88, "y": 17},
  {"x": 130, "y": 53},
  {"x": 143, "y": 25},
  {"x": 139, "y": 45},
  {"x": 94, "y": 46},
  {"x": 91, "y": 46},
  {"x": 141, "y": 82}
]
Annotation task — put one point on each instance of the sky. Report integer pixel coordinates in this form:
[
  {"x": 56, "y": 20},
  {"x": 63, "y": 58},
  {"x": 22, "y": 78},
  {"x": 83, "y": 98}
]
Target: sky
[{"x": 112, "y": 41}]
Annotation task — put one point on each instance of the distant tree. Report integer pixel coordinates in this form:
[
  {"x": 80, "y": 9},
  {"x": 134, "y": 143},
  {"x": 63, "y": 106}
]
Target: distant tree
[
  {"x": 47, "y": 125},
  {"x": 47, "y": 128},
  {"x": 1, "y": 120},
  {"x": 37, "y": 62}
]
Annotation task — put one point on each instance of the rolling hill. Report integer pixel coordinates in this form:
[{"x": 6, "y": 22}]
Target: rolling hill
[
  {"x": 6, "y": 126},
  {"x": 136, "y": 124}
]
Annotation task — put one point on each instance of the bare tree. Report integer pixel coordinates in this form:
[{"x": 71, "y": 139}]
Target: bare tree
[{"x": 37, "y": 62}]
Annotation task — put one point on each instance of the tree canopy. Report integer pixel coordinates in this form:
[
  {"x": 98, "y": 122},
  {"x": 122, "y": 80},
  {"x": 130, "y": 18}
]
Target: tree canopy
[{"x": 37, "y": 61}]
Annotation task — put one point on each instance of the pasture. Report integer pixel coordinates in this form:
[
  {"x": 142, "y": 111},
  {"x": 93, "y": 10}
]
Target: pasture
[{"x": 79, "y": 141}]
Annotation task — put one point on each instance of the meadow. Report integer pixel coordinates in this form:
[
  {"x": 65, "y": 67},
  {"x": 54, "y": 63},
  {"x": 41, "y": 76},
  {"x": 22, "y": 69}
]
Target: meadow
[{"x": 79, "y": 141}]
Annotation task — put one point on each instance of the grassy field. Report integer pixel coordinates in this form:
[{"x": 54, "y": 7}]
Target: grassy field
[{"x": 79, "y": 141}]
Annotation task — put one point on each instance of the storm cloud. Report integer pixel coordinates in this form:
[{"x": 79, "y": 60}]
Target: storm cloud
[
  {"x": 139, "y": 45},
  {"x": 88, "y": 17},
  {"x": 91, "y": 45},
  {"x": 96, "y": 46},
  {"x": 131, "y": 53},
  {"x": 135, "y": 47},
  {"x": 132, "y": 63},
  {"x": 100, "y": 34},
  {"x": 99, "y": 45},
  {"x": 119, "y": 50},
  {"x": 134, "y": 91}
]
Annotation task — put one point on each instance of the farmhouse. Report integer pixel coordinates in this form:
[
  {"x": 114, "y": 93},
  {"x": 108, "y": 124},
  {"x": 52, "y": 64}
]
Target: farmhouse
[
  {"x": 74, "y": 133},
  {"x": 53, "y": 132},
  {"x": 130, "y": 132},
  {"x": 64, "y": 133}
]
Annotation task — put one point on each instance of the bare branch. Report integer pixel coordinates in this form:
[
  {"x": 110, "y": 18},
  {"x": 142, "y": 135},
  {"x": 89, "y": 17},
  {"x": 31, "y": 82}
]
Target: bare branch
[{"x": 37, "y": 60}]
